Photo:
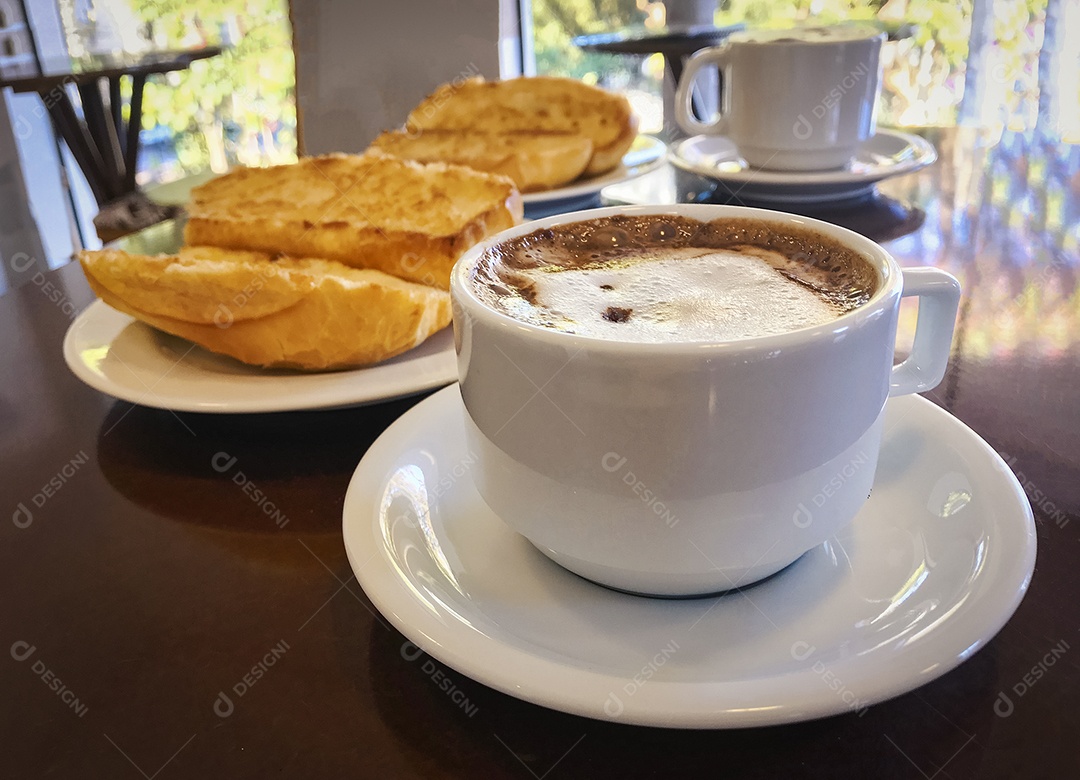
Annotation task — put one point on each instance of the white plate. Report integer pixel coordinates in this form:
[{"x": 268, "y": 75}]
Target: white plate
[
  {"x": 888, "y": 153},
  {"x": 129, "y": 360},
  {"x": 932, "y": 568},
  {"x": 646, "y": 154}
]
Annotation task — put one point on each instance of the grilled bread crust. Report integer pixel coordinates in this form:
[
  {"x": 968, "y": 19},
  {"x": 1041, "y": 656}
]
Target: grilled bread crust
[
  {"x": 373, "y": 210},
  {"x": 269, "y": 310},
  {"x": 536, "y": 161},
  {"x": 537, "y": 103}
]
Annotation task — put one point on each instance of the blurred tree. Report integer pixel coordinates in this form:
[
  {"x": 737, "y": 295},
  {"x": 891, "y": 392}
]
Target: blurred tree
[
  {"x": 236, "y": 108},
  {"x": 924, "y": 70},
  {"x": 557, "y": 22}
]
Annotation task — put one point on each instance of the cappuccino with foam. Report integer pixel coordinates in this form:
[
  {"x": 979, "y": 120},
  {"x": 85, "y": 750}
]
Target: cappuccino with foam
[{"x": 673, "y": 279}]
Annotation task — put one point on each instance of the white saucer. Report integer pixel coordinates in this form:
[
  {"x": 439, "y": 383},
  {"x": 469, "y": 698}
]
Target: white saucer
[
  {"x": 930, "y": 570},
  {"x": 888, "y": 153},
  {"x": 646, "y": 154},
  {"x": 126, "y": 359}
]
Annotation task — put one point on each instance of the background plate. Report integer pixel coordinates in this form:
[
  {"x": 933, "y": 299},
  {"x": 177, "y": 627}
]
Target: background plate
[
  {"x": 888, "y": 153},
  {"x": 646, "y": 154}
]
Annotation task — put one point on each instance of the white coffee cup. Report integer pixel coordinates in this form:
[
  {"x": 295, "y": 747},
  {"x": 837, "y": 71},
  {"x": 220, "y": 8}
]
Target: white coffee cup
[
  {"x": 793, "y": 100},
  {"x": 688, "y": 468}
]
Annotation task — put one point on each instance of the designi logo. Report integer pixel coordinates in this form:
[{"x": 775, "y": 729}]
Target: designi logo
[
  {"x": 613, "y": 707},
  {"x": 802, "y": 129},
  {"x": 223, "y": 706}
]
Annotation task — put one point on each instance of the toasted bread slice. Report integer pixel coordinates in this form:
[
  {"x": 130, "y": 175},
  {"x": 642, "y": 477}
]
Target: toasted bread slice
[
  {"x": 534, "y": 160},
  {"x": 604, "y": 160},
  {"x": 293, "y": 313},
  {"x": 539, "y": 103},
  {"x": 201, "y": 284},
  {"x": 369, "y": 211}
]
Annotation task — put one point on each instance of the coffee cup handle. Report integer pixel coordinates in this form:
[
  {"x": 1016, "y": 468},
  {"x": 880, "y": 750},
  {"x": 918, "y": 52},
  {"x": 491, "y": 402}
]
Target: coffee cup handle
[
  {"x": 939, "y": 298},
  {"x": 684, "y": 96}
]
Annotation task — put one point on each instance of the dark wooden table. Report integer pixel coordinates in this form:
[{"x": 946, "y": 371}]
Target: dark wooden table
[
  {"x": 102, "y": 141},
  {"x": 140, "y": 583}
]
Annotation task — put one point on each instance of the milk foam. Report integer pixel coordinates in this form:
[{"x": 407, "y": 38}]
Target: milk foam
[{"x": 671, "y": 295}]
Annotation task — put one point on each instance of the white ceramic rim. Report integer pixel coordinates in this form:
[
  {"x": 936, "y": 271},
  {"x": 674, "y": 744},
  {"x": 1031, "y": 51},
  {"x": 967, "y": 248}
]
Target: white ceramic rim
[
  {"x": 890, "y": 283},
  {"x": 763, "y": 35}
]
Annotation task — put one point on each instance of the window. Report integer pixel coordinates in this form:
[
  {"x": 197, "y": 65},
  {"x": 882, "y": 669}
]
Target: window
[
  {"x": 987, "y": 62},
  {"x": 237, "y": 108}
]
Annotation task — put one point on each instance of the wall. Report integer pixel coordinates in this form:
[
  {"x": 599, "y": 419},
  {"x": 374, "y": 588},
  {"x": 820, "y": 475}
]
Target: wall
[{"x": 360, "y": 66}]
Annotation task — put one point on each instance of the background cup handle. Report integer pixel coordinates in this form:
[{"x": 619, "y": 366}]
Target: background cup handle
[
  {"x": 684, "y": 109},
  {"x": 939, "y": 298}
]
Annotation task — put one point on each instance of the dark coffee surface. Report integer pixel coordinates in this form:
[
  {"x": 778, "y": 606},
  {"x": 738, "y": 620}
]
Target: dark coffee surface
[{"x": 682, "y": 274}]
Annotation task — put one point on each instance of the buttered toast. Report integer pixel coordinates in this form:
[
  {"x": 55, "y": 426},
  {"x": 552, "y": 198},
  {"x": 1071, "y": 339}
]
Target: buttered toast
[
  {"x": 374, "y": 210},
  {"x": 539, "y": 103},
  {"x": 534, "y": 160},
  {"x": 269, "y": 310}
]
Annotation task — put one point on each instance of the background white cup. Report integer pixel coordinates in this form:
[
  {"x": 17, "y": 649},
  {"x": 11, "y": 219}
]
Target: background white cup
[
  {"x": 682, "y": 469},
  {"x": 797, "y": 100}
]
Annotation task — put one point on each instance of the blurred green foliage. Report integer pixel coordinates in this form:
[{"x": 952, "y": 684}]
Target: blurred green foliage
[
  {"x": 924, "y": 72},
  {"x": 556, "y": 22},
  {"x": 238, "y": 107}
]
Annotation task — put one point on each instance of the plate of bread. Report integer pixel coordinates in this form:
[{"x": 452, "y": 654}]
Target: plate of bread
[
  {"x": 325, "y": 283},
  {"x": 126, "y": 359},
  {"x": 558, "y": 139}
]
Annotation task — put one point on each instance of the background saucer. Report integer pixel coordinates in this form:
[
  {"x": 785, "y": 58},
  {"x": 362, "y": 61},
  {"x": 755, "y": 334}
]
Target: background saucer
[{"x": 888, "y": 153}]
